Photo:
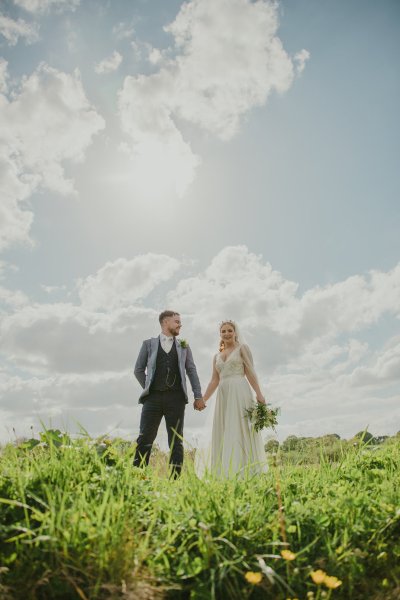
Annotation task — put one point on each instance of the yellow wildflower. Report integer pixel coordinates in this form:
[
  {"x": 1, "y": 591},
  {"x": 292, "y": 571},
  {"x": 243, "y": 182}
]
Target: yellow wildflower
[
  {"x": 288, "y": 555},
  {"x": 253, "y": 578},
  {"x": 332, "y": 582},
  {"x": 318, "y": 577}
]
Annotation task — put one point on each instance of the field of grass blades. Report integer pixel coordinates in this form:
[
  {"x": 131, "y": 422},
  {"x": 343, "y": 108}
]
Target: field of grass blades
[{"x": 78, "y": 521}]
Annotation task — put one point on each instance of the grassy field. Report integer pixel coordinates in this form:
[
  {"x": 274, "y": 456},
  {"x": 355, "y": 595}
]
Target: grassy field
[{"x": 78, "y": 521}]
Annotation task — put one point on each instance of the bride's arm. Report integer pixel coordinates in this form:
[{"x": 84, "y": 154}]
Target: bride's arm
[
  {"x": 212, "y": 386},
  {"x": 250, "y": 372}
]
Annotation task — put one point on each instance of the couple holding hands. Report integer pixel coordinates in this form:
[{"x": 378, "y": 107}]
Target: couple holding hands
[{"x": 232, "y": 446}]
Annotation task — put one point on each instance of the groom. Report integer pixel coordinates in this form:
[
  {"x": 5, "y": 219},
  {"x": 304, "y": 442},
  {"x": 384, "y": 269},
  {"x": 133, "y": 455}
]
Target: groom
[{"x": 161, "y": 369}]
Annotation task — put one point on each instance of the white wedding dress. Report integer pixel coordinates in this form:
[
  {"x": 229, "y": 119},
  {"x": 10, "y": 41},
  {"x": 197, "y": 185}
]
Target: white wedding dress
[{"x": 234, "y": 448}]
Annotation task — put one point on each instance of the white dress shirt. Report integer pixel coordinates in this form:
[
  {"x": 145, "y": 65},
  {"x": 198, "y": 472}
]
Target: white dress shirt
[{"x": 166, "y": 342}]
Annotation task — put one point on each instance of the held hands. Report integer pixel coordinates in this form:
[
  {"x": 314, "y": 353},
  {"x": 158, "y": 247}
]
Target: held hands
[
  {"x": 199, "y": 404},
  {"x": 261, "y": 399}
]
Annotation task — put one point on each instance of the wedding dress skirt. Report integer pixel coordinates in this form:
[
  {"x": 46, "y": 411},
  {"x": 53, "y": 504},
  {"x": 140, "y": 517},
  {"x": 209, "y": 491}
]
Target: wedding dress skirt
[{"x": 234, "y": 448}]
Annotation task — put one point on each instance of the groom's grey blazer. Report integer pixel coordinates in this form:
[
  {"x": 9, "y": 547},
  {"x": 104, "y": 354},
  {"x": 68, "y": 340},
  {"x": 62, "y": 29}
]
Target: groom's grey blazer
[{"x": 145, "y": 367}]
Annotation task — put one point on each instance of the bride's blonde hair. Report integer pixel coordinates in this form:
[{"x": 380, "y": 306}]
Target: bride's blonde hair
[{"x": 228, "y": 322}]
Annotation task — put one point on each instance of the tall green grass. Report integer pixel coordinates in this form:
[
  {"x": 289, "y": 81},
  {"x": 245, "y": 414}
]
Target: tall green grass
[{"x": 78, "y": 521}]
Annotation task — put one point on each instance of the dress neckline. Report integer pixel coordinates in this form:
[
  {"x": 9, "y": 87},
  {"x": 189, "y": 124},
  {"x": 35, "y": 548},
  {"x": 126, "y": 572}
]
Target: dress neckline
[{"x": 229, "y": 355}]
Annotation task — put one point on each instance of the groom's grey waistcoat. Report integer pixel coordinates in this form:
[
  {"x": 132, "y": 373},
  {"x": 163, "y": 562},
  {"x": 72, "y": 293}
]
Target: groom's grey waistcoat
[
  {"x": 167, "y": 375},
  {"x": 145, "y": 368}
]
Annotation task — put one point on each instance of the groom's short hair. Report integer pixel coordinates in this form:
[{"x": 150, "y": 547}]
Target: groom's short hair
[{"x": 165, "y": 314}]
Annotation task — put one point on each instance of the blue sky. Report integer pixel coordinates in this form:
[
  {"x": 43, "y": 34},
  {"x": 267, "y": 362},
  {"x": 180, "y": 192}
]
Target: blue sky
[{"x": 241, "y": 164}]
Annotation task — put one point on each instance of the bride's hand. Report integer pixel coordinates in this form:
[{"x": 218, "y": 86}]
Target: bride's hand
[{"x": 261, "y": 400}]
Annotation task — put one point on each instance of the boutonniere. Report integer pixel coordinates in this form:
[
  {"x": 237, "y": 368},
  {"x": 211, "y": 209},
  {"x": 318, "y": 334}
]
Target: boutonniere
[{"x": 183, "y": 343}]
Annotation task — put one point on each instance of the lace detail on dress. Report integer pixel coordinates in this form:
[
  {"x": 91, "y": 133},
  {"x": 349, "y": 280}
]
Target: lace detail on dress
[{"x": 232, "y": 366}]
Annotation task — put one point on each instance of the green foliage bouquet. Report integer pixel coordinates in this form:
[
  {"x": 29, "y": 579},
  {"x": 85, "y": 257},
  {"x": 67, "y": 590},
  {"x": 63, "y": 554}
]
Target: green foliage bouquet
[{"x": 262, "y": 416}]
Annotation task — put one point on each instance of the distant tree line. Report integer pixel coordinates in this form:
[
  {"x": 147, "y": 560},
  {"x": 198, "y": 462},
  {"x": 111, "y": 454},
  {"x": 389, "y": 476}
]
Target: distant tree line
[{"x": 331, "y": 446}]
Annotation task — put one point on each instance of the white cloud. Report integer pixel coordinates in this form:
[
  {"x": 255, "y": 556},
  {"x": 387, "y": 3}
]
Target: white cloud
[
  {"x": 123, "y": 282},
  {"x": 305, "y": 346},
  {"x": 220, "y": 77},
  {"x": 237, "y": 283},
  {"x": 101, "y": 403},
  {"x": 41, "y": 6},
  {"x": 213, "y": 81},
  {"x": 49, "y": 121},
  {"x": 3, "y": 76},
  {"x": 155, "y": 56},
  {"x": 46, "y": 122},
  {"x": 110, "y": 64},
  {"x": 307, "y": 353},
  {"x": 13, "y": 298},
  {"x": 63, "y": 338},
  {"x": 15, "y": 219},
  {"x": 385, "y": 367},
  {"x": 13, "y": 30},
  {"x": 300, "y": 59},
  {"x": 10, "y": 298},
  {"x": 380, "y": 419},
  {"x": 241, "y": 284},
  {"x": 123, "y": 30},
  {"x": 137, "y": 48},
  {"x": 352, "y": 304}
]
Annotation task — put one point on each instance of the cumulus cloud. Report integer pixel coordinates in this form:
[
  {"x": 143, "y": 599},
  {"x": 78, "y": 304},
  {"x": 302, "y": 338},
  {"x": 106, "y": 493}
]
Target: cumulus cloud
[
  {"x": 345, "y": 421},
  {"x": 100, "y": 334},
  {"x": 105, "y": 403},
  {"x": 15, "y": 218},
  {"x": 110, "y": 64},
  {"x": 123, "y": 30},
  {"x": 352, "y": 304},
  {"x": 123, "y": 282},
  {"x": 214, "y": 79},
  {"x": 307, "y": 349},
  {"x": 46, "y": 122},
  {"x": 13, "y": 30},
  {"x": 221, "y": 77},
  {"x": 241, "y": 283},
  {"x": 155, "y": 56},
  {"x": 385, "y": 367},
  {"x": 49, "y": 121},
  {"x": 300, "y": 60},
  {"x": 13, "y": 299},
  {"x": 3, "y": 76},
  {"x": 63, "y": 338},
  {"x": 305, "y": 346},
  {"x": 42, "y": 6}
]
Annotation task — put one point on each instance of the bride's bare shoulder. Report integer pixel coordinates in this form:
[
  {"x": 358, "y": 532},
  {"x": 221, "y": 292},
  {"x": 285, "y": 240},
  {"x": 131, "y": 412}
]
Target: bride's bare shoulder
[{"x": 244, "y": 348}]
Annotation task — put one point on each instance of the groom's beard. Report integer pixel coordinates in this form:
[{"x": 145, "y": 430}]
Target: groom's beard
[{"x": 174, "y": 332}]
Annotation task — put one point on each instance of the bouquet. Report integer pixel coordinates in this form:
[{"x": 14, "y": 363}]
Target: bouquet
[{"x": 262, "y": 416}]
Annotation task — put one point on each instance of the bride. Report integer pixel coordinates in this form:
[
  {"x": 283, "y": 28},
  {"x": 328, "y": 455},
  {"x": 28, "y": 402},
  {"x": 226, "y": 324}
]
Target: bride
[{"x": 233, "y": 446}]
